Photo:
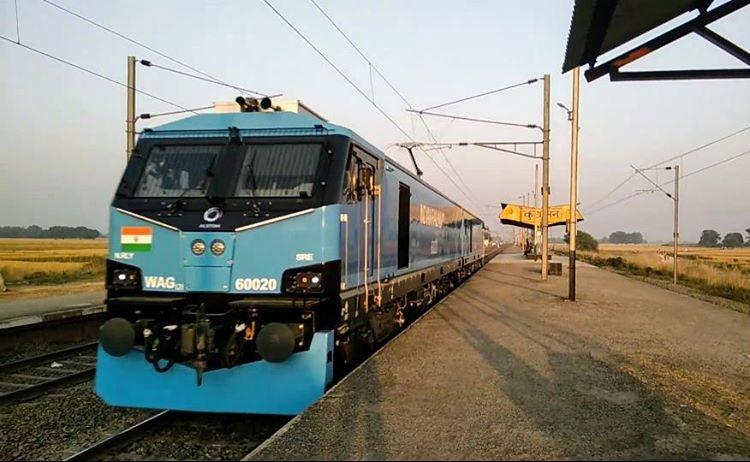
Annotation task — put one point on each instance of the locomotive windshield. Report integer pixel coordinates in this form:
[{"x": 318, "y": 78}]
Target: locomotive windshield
[
  {"x": 279, "y": 170},
  {"x": 177, "y": 171}
]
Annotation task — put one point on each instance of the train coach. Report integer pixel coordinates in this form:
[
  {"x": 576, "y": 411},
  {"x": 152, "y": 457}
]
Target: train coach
[{"x": 254, "y": 254}]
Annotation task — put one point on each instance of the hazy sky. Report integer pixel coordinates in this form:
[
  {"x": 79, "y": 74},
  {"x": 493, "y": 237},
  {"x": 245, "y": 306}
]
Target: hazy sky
[{"x": 62, "y": 131}]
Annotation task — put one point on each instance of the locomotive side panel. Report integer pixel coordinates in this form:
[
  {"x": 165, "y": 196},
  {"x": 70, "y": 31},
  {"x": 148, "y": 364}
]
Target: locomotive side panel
[{"x": 436, "y": 225}]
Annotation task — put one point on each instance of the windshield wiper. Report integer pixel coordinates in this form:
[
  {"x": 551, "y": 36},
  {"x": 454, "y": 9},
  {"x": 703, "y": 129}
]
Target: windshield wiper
[
  {"x": 174, "y": 206},
  {"x": 251, "y": 174}
]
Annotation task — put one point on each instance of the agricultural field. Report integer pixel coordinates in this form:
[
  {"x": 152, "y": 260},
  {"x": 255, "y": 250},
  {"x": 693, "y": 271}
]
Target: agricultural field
[
  {"x": 51, "y": 261},
  {"x": 715, "y": 271}
]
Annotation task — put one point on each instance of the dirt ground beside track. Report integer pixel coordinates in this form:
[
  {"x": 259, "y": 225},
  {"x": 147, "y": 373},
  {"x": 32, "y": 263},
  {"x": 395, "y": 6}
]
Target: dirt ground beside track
[
  {"x": 506, "y": 368},
  {"x": 17, "y": 293}
]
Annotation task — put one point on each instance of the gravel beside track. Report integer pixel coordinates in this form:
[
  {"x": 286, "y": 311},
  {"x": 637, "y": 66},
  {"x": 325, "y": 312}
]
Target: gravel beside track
[
  {"x": 192, "y": 436},
  {"x": 29, "y": 349},
  {"x": 34, "y": 375},
  {"x": 57, "y": 424}
]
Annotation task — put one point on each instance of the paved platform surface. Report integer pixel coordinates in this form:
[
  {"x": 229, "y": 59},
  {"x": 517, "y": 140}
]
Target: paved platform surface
[
  {"x": 506, "y": 368},
  {"x": 26, "y": 310}
]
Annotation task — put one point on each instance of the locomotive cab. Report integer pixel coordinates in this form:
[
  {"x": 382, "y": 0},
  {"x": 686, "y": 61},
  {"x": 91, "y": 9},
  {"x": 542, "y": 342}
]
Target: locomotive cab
[{"x": 190, "y": 273}]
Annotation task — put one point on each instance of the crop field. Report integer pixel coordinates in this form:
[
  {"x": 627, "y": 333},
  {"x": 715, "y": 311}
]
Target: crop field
[
  {"x": 51, "y": 261},
  {"x": 716, "y": 271}
]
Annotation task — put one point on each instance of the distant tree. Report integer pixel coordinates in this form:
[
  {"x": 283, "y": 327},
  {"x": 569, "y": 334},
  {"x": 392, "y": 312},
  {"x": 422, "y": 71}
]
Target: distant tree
[
  {"x": 748, "y": 236},
  {"x": 733, "y": 240},
  {"x": 618, "y": 237},
  {"x": 604, "y": 240},
  {"x": 11, "y": 231},
  {"x": 709, "y": 238},
  {"x": 621, "y": 237},
  {"x": 54, "y": 232},
  {"x": 584, "y": 241},
  {"x": 635, "y": 238},
  {"x": 34, "y": 231}
]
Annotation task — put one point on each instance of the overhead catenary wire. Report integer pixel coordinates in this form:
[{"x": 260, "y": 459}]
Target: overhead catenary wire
[
  {"x": 149, "y": 63},
  {"x": 710, "y": 143},
  {"x": 695, "y": 172},
  {"x": 680, "y": 156},
  {"x": 94, "y": 73},
  {"x": 467, "y": 192},
  {"x": 487, "y": 145},
  {"x": 716, "y": 164},
  {"x": 613, "y": 190},
  {"x": 149, "y": 115},
  {"x": 336, "y": 68},
  {"x": 358, "y": 89},
  {"x": 447, "y": 161},
  {"x": 425, "y": 112},
  {"x": 487, "y": 93},
  {"x": 656, "y": 185},
  {"x": 475, "y": 119},
  {"x": 136, "y": 42},
  {"x": 372, "y": 66}
]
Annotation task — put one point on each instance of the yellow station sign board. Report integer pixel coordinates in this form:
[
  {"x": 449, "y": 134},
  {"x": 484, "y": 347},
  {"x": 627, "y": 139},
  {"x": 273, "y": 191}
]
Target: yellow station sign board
[{"x": 528, "y": 217}]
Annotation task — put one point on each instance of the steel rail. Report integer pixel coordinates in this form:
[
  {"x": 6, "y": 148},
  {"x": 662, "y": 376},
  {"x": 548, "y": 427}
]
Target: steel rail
[
  {"x": 32, "y": 391},
  {"x": 41, "y": 359},
  {"x": 127, "y": 436},
  {"x": 26, "y": 391}
]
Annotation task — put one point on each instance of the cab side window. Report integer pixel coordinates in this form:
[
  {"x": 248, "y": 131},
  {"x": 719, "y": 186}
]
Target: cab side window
[
  {"x": 351, "y": 179},
  {"x": 360, "y": 176}
]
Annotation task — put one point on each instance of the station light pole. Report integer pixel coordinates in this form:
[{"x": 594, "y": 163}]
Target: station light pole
[{"x": 573, "y": 189}]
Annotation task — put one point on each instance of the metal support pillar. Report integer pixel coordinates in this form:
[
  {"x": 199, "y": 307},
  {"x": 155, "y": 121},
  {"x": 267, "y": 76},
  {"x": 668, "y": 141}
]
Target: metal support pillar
[
  {"x": 676, "y": 239},
  {"x": 536, "y": 207},
  {"x": 130, "y": 122},
  {"x": 545, "y": 179}
]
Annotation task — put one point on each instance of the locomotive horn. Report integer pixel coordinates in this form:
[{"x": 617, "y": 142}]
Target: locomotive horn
[
  {"x": 275, "y": 342},
  {"x": 243, "y": 104},
  {"x": 265, "y": 103},
  {"x": 117, "y": 336}
]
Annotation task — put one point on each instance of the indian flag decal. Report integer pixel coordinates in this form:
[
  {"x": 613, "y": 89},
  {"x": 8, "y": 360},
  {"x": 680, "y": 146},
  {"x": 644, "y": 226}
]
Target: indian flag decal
[{"x": 136, "y": 238}]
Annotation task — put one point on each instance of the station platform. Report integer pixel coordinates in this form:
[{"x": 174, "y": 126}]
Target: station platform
[
  {"x": 21, "y": 312},
  {"x": 506, "y": 368}
]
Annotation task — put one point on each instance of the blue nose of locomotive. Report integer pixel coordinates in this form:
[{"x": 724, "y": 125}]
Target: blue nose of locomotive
[{"x": 207, "y": 260}]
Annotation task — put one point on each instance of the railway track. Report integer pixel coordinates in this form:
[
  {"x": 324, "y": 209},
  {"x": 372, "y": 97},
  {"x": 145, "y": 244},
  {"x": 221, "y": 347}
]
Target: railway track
[
  {"x": 175, "y": 435},
  {"x": 122, "y": 438},
  {"x": 30, "y": 377}
]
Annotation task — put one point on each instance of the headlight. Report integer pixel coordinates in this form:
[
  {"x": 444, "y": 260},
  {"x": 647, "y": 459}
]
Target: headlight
[
  {"x": 125, "y": 278},
  {"x": 218, "y": 247},
  {"x": 308, "y": 281},
  {"x": 198, "y": 247}
]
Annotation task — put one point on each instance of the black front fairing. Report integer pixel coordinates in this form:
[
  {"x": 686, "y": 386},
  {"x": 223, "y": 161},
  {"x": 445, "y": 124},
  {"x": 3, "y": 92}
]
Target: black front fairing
[{"x": 187, "y": 213}]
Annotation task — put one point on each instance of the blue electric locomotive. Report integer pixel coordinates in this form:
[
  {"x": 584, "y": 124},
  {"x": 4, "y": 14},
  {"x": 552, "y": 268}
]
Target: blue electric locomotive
[{"x": 250, "y": 252}]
